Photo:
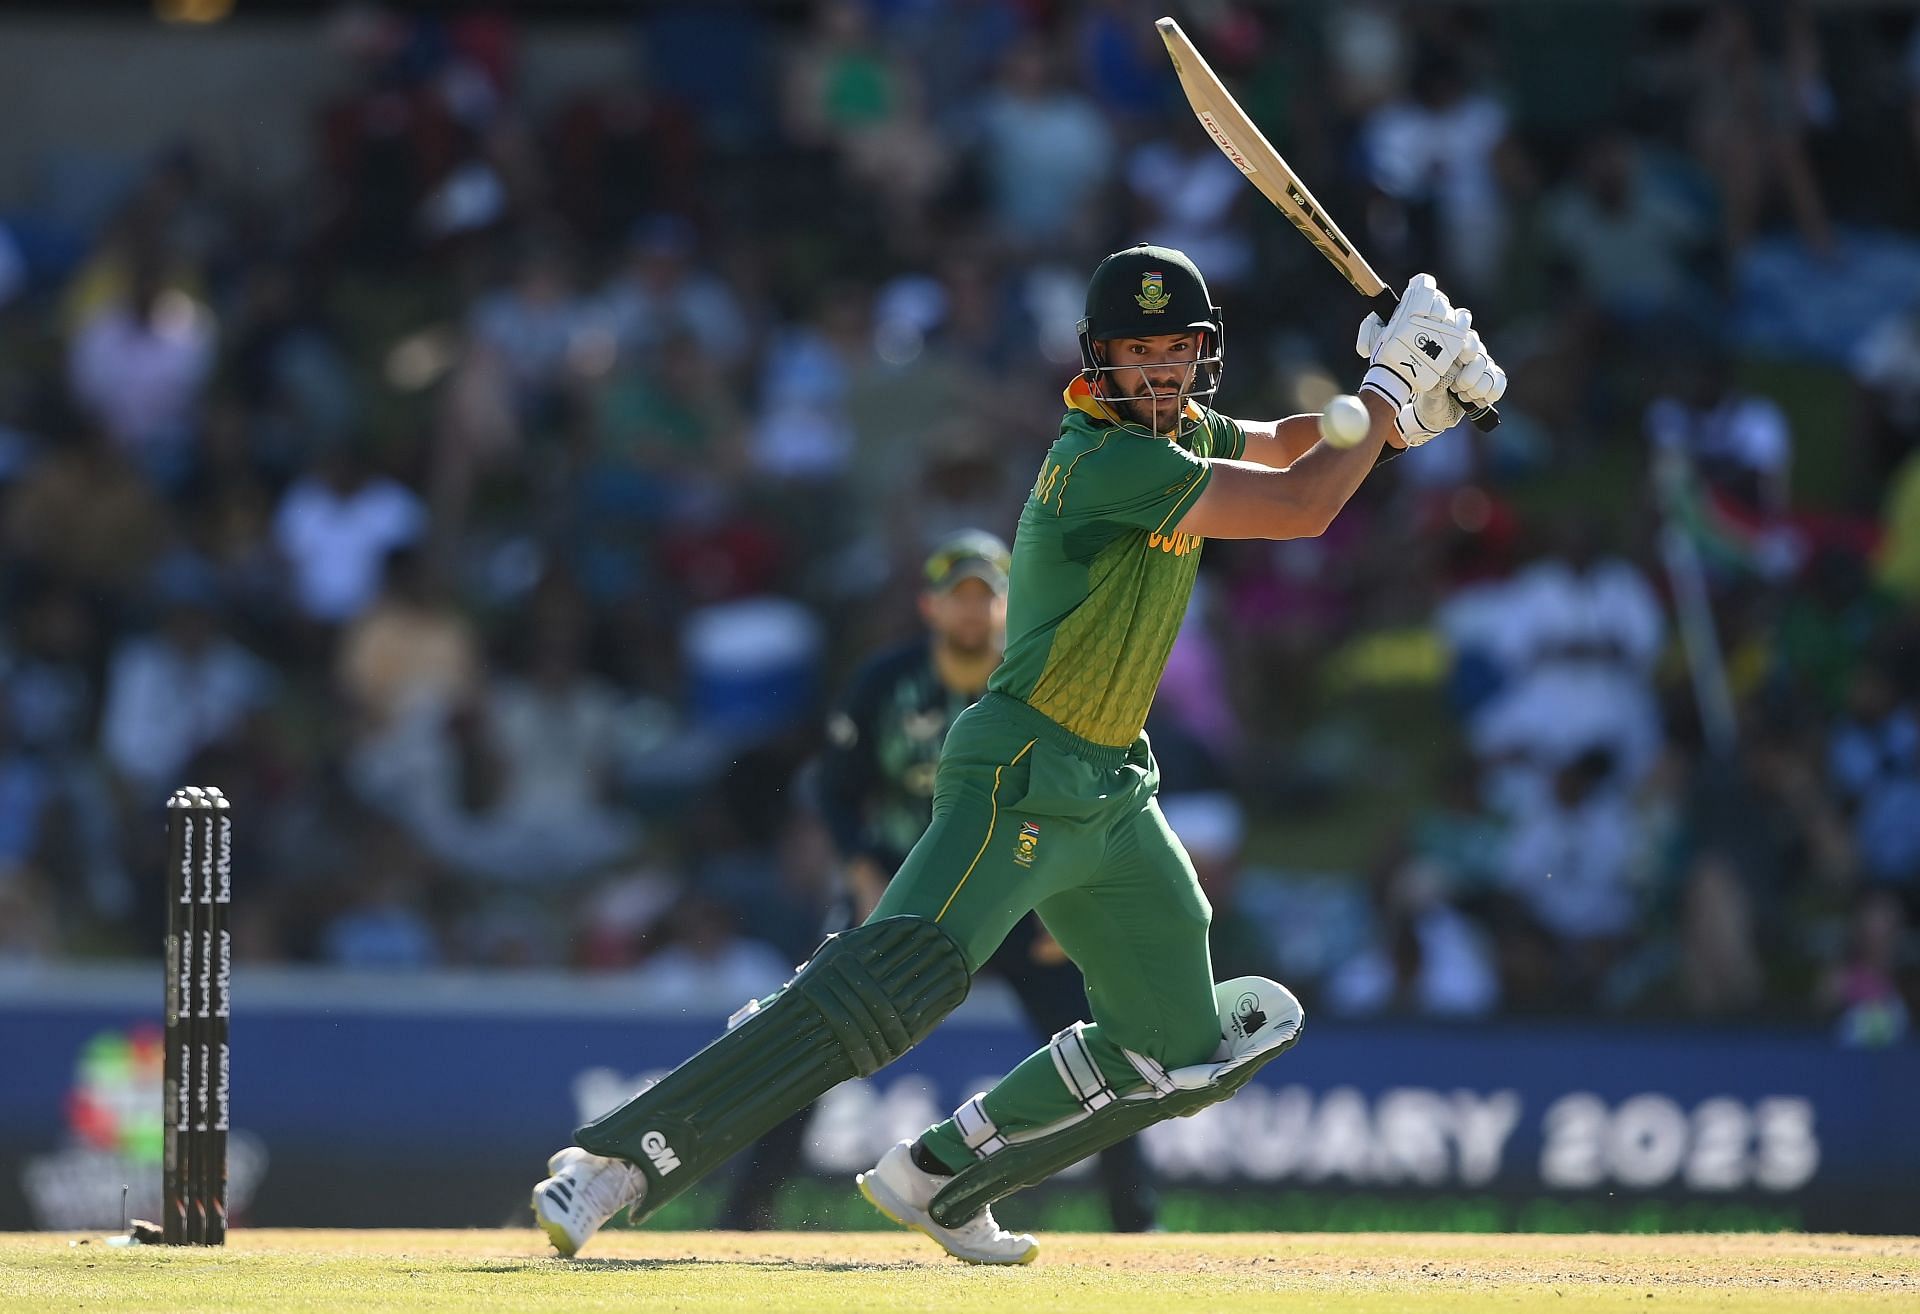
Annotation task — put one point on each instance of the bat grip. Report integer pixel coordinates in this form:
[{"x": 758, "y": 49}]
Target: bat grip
[{"x": 1484, "y": 418}]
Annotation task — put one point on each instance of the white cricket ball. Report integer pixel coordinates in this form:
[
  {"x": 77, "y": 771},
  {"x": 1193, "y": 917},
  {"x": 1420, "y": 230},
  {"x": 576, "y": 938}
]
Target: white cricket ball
[{"x": 1345, "y": 421}]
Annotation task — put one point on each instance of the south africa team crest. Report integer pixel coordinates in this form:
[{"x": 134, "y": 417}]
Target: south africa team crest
[
  {"x": 1025, "y": 843},
  {"x": 1153, "y": 296}
]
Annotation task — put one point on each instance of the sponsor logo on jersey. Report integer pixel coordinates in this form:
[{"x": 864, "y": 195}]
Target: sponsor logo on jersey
[
  {"x": 1025, "y": 843},
  {"x": 1045, "y": 481},
  {"x": 1178, "y": 544},
  {"x": 1153, "y": 296}
]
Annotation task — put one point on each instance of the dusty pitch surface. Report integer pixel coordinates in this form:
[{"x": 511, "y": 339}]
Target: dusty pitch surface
[{"x": 768, "y": 1273}]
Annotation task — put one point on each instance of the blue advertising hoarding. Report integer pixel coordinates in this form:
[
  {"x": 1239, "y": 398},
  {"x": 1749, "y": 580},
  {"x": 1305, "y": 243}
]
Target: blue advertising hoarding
[{"x": 1386, "y": 1124}]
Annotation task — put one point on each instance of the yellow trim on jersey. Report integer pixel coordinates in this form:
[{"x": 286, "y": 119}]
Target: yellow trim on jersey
[
  {"x": 1181, "y": 504},
  {"x": 993, "y": 820},
  {"x": 1060, "y": 502},
  {"x": 1079, "y": 397}
]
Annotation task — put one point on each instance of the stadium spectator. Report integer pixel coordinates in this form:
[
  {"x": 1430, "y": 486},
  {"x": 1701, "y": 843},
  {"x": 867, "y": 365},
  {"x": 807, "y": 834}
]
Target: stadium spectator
[
  {"x": 1568, "y": 645},
  {"x": 84, "y": 515},
  {"x": 1874, "y": 759},
  {"x": 139, "y": 367},
  {"x": 1739, "y": 442},
  {"x": 1629, "y": 240},
  {"x": 174, "y": 693},
  {"x": 706, "y": 962},
  {"x": 661, "y": 295},
  {"x": 533, "y": 330},
  {"x": 1432, "y": 153},
  {"x": 1045, "y": 150},
  {"x": 335, "y": 527},
  {"x": 1570, "y": 860}
]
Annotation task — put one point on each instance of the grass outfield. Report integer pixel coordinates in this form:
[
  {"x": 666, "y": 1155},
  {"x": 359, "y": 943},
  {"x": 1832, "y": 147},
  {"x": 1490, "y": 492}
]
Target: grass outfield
[{"x": 770, "y": 1273}]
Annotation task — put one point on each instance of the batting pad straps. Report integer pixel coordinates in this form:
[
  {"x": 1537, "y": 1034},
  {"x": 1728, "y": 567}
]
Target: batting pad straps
[
  {"x": 1074, "y": 1061},
  {"x": 863, "y": 999},
  {"x": 977, "y": 1129},
  {"x": 1152, "y": 1073}
]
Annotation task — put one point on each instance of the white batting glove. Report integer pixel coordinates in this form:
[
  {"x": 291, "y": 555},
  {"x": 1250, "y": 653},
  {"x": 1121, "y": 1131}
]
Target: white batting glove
[
  {"x": 1418, "y": 347},
  {"x": 1371, "y": 331},
  {"x": 1427, "y": 416},
  {"x": 1477, "y": 378},
  {"x": 1475, "y": 381}
]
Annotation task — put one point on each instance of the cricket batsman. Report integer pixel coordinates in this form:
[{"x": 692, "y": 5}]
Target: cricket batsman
[
  {"x": 1045, "y": 797},
  {"x": 875, "y": 792}
]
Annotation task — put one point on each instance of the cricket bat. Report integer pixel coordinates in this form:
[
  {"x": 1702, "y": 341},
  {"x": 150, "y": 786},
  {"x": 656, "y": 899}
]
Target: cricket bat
[{"x": 1251, "y": 153}]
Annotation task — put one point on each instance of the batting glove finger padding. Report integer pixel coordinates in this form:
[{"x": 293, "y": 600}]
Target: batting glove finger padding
[
  {"x": 1427, "y": 416},
  {"x": 1478, "y": 379},
  {"x": 1371, "y": 331}
]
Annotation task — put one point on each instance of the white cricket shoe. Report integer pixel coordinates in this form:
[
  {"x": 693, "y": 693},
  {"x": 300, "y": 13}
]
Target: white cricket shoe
[
  {"x": 901, "y": 1190},
  {"x": 583, "y": 1193}
]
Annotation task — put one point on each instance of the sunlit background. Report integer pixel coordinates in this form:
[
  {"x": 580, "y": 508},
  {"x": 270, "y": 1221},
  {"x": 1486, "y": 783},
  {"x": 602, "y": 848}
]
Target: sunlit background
[{"x": 482, "y": 441}]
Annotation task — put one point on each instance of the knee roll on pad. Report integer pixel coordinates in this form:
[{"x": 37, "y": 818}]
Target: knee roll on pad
[
  {"x": 1259, "y": 1021},
  {"x": 866, "y": 997}
]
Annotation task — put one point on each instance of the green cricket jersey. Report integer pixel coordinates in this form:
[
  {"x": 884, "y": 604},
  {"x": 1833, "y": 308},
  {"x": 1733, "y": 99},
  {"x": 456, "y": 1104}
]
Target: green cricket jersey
[{"x": 1100, "y": 579}]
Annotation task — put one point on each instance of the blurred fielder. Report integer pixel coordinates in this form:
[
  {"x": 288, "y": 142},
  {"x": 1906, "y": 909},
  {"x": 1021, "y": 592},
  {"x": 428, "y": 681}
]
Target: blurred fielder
[{"x": 1044, "y": 799}]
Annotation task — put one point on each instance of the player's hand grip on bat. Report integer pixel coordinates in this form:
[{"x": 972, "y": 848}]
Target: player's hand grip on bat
[
  {"x": 1429, "y": 362},
  {"x": 1413, "y": 350},
  {"x": 1477, "y": 381},
  {"x": 1474, "y": 384}
]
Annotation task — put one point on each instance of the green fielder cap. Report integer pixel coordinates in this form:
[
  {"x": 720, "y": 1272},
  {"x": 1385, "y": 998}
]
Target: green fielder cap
[{"x": 969, "y": 554}]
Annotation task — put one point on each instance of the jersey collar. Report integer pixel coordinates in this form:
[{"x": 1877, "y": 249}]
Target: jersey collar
[{"x": 1079, "y": 397}]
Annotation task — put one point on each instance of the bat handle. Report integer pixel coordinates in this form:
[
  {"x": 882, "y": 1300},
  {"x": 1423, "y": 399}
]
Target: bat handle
[{"x": 1484, "y": 418}]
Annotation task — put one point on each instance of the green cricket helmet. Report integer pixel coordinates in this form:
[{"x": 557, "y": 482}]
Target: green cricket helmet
[{"x": 1145, "y": 291}]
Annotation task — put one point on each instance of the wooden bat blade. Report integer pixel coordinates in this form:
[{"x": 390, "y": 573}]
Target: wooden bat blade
[{"x": 1250, "y": 152}]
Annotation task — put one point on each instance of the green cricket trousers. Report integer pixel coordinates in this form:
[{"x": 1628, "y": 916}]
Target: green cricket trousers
[{"x": 1030, "y": 817}]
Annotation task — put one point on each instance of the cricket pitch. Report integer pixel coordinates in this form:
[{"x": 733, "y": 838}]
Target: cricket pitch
[{"x": 771, "y": 1273}]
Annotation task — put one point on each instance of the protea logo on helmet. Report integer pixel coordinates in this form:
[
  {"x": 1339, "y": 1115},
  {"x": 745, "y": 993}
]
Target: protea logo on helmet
[{"x": 1153, "y": 296}]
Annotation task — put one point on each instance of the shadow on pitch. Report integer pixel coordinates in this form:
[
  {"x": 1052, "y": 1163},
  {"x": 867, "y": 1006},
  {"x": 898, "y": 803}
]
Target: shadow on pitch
[{"x": 691, "y": 1261}]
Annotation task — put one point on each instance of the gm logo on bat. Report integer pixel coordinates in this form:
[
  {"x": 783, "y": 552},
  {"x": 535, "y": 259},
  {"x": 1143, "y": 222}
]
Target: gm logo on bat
[{"x": 1299, "y": 198}]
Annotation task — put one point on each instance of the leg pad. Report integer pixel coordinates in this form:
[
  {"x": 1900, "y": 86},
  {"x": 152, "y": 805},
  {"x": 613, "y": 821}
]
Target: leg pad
[
  {"x": 864, "y": 999},
  {"x": 1259, "y": 1021}
]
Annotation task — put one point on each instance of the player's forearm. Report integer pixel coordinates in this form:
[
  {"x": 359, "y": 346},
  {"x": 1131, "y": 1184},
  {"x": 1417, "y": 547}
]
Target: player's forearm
[
  {"x": 1279, "y": 443},
  {"x": 1321, "y": 480},
  {"x": 1246, "y": 499}
]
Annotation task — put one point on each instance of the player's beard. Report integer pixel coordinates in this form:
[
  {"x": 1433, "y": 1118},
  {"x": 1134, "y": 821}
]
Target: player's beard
[
  {"x": 1158, "y": 410},
  {"x": 1149, "y": 413}
]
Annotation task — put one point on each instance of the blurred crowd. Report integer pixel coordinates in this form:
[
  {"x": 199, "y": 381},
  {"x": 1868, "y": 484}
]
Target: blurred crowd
[{"x": 494, "y": 514}]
